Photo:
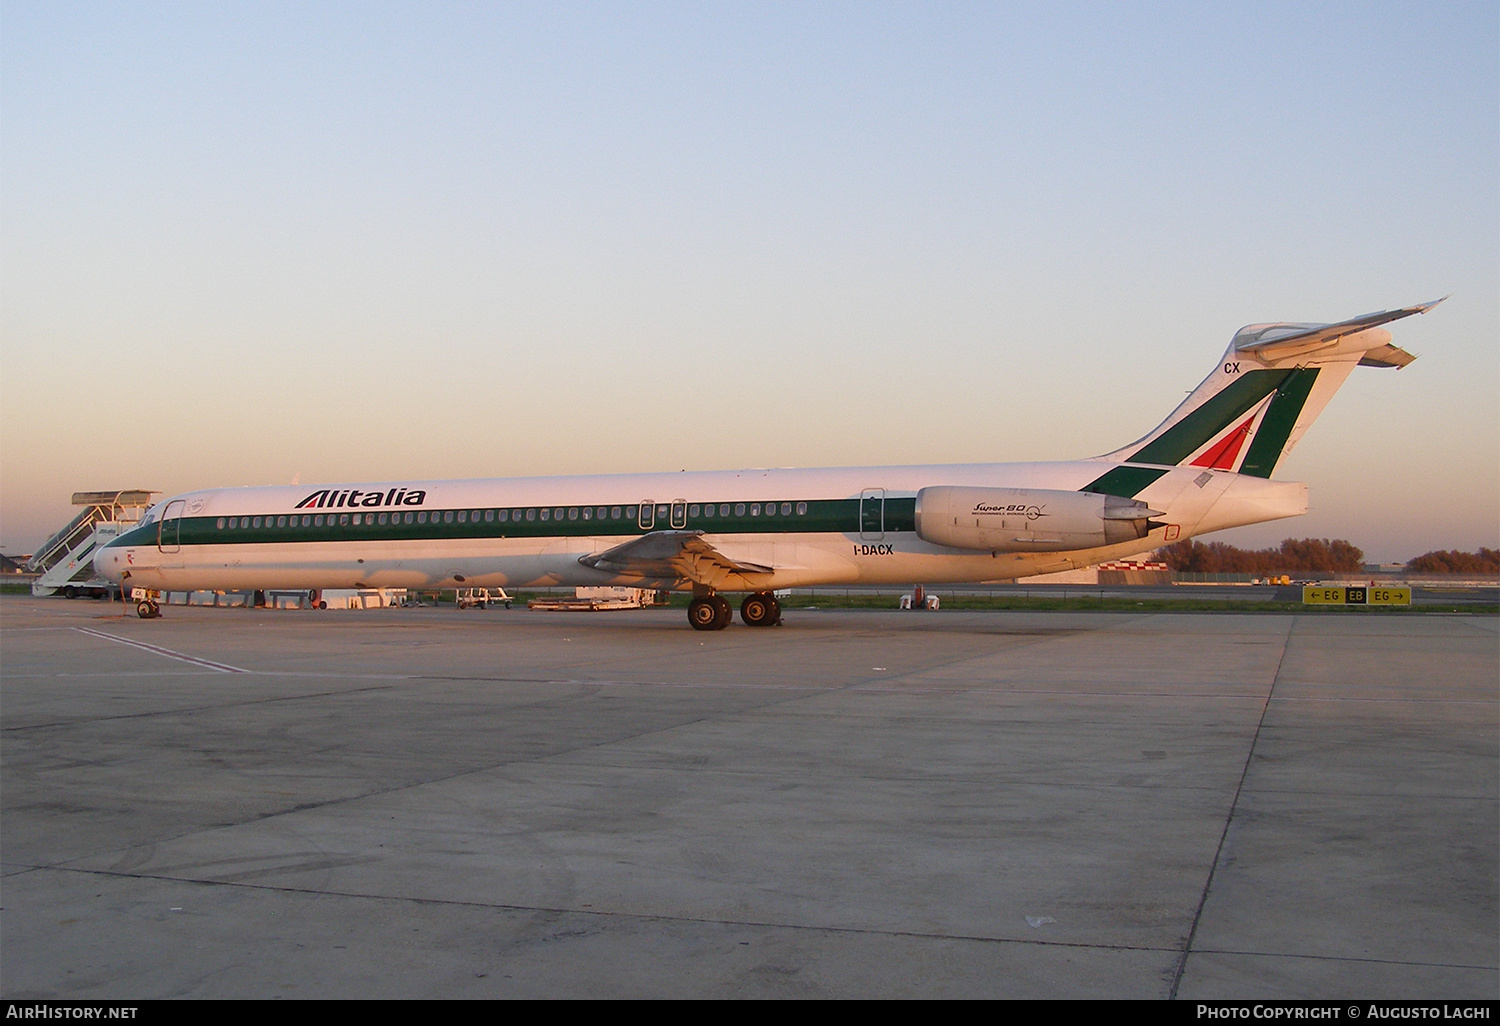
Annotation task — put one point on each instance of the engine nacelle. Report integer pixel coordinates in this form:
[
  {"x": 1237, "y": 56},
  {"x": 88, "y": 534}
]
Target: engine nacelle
[{"x": 1028, "y": 519}]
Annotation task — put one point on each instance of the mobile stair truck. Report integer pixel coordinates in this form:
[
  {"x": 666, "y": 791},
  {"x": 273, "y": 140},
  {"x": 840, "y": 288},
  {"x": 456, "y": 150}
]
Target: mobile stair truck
[{"x": 65, "y": 562}]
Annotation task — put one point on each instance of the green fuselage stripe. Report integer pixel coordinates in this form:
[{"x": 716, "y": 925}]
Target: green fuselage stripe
[
  {"x": 823, "y": 516},
  {"x": 1124, "y": 481}
]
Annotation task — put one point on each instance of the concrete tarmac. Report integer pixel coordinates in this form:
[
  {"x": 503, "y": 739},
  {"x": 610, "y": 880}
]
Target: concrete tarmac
[{"x": 433, "y": 803}]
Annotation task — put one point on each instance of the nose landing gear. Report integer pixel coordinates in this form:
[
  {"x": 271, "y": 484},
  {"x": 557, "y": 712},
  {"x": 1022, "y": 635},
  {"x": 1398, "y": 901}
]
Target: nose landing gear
[{"x": 145, "y": 603}]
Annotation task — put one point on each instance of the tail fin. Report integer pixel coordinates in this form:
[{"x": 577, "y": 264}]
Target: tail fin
[{"x": 1271, "y": 385}]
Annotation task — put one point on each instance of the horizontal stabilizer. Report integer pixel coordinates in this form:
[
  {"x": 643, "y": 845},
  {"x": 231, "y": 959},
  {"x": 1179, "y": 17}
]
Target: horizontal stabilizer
[
  {"x": 1386, "y": 356},
  {"x": 1274, "y": 341}
]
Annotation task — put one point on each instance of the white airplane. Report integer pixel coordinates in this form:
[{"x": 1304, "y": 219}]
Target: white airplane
[{"x": 1207, "y": 467}]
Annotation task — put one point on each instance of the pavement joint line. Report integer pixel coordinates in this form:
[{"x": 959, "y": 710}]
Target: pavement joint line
[
  {"x": 751, "y": 923},
  {"x": 1423, "y": 796},
  {"x": 639, "y": 916},
  {"x": 870, "y": 685},
  {"x": 1208, "y": 883},
  {"x": 1488, "y": 703},
  {"x": 336, "y": 694},
  {"x": 867, "y": 685},
  {"x": 158, "y": 650},
  {"x": 1251, "y": 953},
  {"x": 191, "y": 708}
]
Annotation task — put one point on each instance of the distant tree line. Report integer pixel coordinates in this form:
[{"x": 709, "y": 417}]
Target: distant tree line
[
  {"x": 1294, "y": 555},
  {"x": 1448, "y": 561},
  {"x": 1312, "y": 554}
]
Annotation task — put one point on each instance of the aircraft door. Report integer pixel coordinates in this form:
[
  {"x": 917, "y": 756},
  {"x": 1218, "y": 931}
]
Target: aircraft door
[
  {"x": 679, "y": 514},
  {"x": 872, "y": 514},
  {"x": 168, "y": 533},
  {"x": 647, "y": 519}
]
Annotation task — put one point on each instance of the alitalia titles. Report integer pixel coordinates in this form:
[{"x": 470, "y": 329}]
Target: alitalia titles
[{"x": 331, "y": 498}]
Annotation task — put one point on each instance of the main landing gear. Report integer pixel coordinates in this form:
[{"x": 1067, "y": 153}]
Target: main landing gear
[
  {"x": 709, "y": 613},
  {"x": 760, "y": 610},
  {"x": 713, "y": 613}
]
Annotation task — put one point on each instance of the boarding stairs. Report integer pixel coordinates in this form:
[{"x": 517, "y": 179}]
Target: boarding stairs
[{"x": 65, "y": 562}]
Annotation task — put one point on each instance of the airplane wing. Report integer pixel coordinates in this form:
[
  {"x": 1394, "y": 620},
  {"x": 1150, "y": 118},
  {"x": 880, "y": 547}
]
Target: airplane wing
[{"x": 684, "y": 555}]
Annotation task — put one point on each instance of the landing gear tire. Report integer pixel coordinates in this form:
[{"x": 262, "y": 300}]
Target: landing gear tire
[
  {"x": 147, "y": 610},
  {"x": 703, "y": 614},
  {"x": 709, "y": 614},
  {"x": 760, "y": 610}
]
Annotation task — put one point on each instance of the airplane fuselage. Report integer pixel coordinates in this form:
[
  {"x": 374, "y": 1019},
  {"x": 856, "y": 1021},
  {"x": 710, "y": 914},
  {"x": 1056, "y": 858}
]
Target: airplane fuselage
[{"x": 804, "y": 527}]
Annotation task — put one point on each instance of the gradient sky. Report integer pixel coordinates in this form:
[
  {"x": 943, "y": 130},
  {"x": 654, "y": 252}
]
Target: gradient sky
[{"x": 244, "y": 243}]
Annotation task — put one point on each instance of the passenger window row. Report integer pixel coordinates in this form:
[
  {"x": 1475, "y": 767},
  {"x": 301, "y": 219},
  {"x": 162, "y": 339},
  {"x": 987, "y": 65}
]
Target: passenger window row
[{"x": 490, "y": 516}]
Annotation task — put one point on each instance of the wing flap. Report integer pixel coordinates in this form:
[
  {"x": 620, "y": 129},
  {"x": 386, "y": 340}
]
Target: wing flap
[{"x": 685, "y": 555}]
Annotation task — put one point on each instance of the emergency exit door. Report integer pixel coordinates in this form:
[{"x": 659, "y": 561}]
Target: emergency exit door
[{"x": 872, "y": 514}]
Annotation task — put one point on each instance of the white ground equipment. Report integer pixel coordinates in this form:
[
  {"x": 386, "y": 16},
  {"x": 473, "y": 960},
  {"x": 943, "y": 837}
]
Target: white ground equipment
[{"x": 65, "y": 561}]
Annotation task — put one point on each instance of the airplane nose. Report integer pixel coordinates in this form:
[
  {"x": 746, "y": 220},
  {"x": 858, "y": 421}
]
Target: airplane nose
[{"x": 110, "y": 563}]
